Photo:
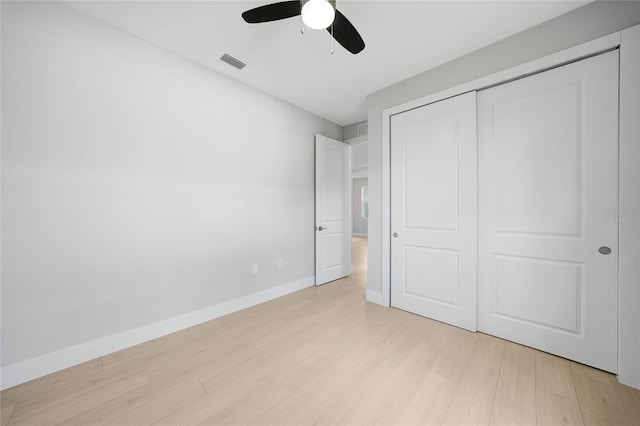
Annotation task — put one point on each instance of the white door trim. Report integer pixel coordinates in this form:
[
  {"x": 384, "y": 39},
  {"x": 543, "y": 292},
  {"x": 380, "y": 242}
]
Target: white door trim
[
  {"x": 629, "y": 43},
  {"x": 629, "y": 206}
]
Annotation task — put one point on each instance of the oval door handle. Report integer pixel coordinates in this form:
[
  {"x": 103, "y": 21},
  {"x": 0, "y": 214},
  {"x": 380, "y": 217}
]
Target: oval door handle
[
  {"x": 604, "y": 250},
  {"x": 395, "y": 235}
]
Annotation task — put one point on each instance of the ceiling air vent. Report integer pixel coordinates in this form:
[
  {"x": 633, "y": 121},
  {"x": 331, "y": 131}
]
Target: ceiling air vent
[
  {"x": 362, "y": 129},
  {"x": 232, "y": 61}
]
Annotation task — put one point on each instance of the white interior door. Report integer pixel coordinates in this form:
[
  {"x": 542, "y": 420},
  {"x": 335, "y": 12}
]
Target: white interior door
[
  {"x": 433, "y": 211},
  {"x": 548, "y": 175},
  {"x": 333, "y": 210}
]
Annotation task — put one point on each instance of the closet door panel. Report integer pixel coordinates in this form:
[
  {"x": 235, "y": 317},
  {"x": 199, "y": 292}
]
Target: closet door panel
[
  {"x": 433, "y": 196},
  {"x": 548, "y": 175}
]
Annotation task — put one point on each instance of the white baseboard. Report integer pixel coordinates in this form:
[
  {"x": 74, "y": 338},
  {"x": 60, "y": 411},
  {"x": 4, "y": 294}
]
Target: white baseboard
[
  {"x": 375, "y": 297},
  {"x": 358, "y": 234},
  {"x": 23, "y": 371}
]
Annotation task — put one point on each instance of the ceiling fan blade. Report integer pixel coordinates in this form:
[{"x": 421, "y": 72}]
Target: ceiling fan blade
[
  {"x": 272, "y": 12},
  {"x": 346, "y": 34}
]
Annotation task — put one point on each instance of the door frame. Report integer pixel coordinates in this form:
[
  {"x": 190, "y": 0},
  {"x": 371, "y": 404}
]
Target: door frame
[{"x": 628, "y": 42}]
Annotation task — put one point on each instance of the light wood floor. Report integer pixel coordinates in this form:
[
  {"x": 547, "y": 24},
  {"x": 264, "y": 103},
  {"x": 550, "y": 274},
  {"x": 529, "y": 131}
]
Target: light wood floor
[{"x": 324, "y": 356}]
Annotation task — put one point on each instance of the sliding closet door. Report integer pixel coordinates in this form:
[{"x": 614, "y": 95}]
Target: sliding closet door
[
  {"x": 433, "y": 213},
  {"x": 548, "y": 193}
]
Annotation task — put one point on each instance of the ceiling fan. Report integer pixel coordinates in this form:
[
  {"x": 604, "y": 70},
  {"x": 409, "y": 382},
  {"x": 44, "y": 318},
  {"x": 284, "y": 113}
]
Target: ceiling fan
[{"x": 316, "y": 14}]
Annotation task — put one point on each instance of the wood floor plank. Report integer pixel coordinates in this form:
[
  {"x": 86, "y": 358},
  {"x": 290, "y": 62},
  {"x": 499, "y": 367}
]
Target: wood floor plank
[
  {"x": 429, "y": 403},
  {"x": 51, "y": 382},
  {"x": 289, "y": 306},
  {"x": 599, "y": 401},
  {"x": 166, "y": 403},
  {"x": 581, "y": 370},
  {"x": 554, "y": 409},
  {"x": 294, "y": 364},
  {"x": 189, "y": 414},
  {"x": 515, "y": 399},
  {"x": 473, "y": 401},
  {"x": 250, "y": 406},
  {"x": 353, "y": 327},
  {"x": 175, "y": 346},
  {"x": 140, "y": 406},
  {"x": 554, "y": 374},
  {"x": 344, "y": 401},
  {"x": 237, "y": 324},
  {"x": 300, "y": 329},
  {"x": 457, "y": 346},
  {"x": 42, "y": 401},
  {"x": 296, "y": 407},
  {"x": 5, "y": 413},
  {"x": 63, "y": 406},
  {"x": 219, "y": 398},
  {"x": 368, "y": 348},
  {"x": 389, "y": 401},
  {"x": 253, "y": 329},
  {"x": 340, "y": 339},
  {"x": 630, "y": 398},
  {"x": 221, "y": 373},
  {"x": 204, "y": 362},
  {"x": 365, "y": 379}
]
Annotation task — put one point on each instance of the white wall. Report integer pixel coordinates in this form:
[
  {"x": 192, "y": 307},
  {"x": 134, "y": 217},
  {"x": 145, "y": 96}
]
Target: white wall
[
  {"x": 629, "y": 220},
  {"x": 351, "y": 131},
  {"x": 360, "y": 159},
  {"x": 137, "y": 187},
  {"x": 359, "y": 223},
  {"x": 359, "y": 173},
  {"x": 586, "y": 23}
]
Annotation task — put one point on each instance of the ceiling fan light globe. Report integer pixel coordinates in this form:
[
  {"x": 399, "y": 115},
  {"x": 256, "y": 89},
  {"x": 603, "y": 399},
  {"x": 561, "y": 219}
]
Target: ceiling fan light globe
[{"x": 318, "y": 14}]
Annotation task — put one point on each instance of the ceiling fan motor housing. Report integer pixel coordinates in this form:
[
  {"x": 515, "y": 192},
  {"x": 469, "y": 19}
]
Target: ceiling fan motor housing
[
  {"x": 331, "y": 2},
  {"x": 318, "y": 14}
]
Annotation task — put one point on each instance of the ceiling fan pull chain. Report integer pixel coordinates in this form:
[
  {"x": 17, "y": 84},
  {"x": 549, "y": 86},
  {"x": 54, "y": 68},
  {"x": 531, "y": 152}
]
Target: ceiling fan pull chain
[
  {"x": 332, "y": 38},
  {"x": 301, "y": 21}
]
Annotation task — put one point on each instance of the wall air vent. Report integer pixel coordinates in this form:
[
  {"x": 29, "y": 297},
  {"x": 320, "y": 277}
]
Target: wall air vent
[
  {"x": 362, "y": 129},
  {"x": 232, "y": 61}
]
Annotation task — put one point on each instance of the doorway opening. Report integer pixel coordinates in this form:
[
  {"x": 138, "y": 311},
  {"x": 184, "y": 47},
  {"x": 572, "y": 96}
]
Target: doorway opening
[{"x": 360, "y": 205}]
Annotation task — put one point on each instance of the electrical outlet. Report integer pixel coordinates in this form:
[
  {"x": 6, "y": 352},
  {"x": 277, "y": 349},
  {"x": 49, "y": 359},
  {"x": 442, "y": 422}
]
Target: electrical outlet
[
  {"x": 254, "y": 269},
  {"x": 280, "y": 263}
]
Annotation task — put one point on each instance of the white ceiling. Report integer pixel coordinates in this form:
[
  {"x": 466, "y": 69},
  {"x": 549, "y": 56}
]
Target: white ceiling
[{"x": 403, "y": 38}]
